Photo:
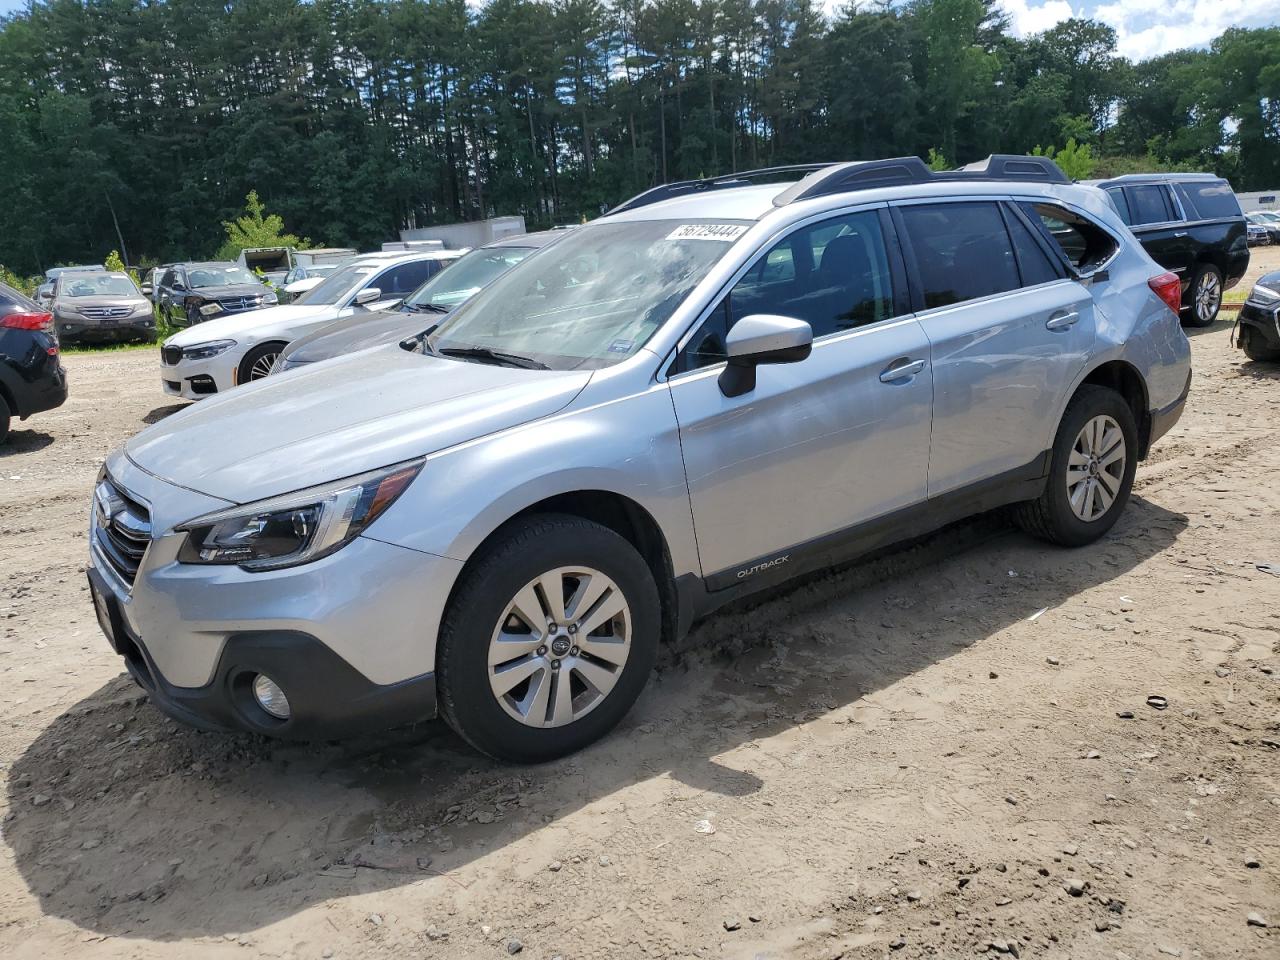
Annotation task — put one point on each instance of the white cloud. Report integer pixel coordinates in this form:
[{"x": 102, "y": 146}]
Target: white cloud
[
  {"x": 1036, "y": 16},
  {"x": 1147, "y": 28}
]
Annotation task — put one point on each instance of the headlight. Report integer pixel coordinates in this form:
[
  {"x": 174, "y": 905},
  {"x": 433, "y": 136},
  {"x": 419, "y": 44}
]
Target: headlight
[
  {"x": 1264, "y": 296},
  {"x": 270, "y": 297},
  {"x": 298, "y": 527},
  {"x": 203, "y": 351},
  {"x": 209, "y": 309}
]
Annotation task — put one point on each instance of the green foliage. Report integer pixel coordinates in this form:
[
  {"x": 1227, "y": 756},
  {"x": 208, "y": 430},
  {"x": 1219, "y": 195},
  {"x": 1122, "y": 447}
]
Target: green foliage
[
  {"x": 25, "y": 285},
  {"x": 256, "y": 228},
  {"x": 937, "y": 161},
  {"x": 354, "y": 119},
  {"x": 1075, "y": 159}
]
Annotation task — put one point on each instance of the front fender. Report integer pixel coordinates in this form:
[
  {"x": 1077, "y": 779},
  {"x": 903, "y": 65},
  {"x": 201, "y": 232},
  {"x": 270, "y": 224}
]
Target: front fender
[{"x": 629, "y": 447}]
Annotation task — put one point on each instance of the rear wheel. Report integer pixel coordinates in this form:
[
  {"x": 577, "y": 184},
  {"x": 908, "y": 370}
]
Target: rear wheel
[
  {"x": 1206, "y": 296},
  {"x": 1256, "y": 347},
  {"x": 257, "y": 363},
  {"x": 548, "y": 640},
  {"x": 1090, "y": 473},
  {"x": 5, "y": 416}
]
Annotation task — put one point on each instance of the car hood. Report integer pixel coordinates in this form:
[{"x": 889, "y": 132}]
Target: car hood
[
  {"x": 230, "y": 290},
  {"x": 238, "y": 324},
  {"x": 1270, "y": 280},
  {"x": 356, "y": 333},
  {"x": 335, "y": 420}
]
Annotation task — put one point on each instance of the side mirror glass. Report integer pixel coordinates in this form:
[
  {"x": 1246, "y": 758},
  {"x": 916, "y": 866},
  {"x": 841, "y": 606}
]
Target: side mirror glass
[
  {"x": 146, "y": 289},
  {"x": 762, "y": 338},
  {"x": 368, "y": 295}
]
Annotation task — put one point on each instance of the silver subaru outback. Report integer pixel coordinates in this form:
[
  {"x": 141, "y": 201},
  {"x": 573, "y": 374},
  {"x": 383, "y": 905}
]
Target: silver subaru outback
[{"x": 720, "y": 385}]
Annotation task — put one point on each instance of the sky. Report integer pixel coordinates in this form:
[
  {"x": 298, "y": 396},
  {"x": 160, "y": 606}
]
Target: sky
[{"x": 1145, "y": 28}]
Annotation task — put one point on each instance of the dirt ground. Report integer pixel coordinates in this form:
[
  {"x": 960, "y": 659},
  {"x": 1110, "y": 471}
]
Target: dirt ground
[{"x": 943, "y": 753}]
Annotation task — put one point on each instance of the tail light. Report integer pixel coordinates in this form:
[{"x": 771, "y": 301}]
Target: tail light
[
  {"x": 1168, "y": 288},
  {"x": 27, "y": 321}
]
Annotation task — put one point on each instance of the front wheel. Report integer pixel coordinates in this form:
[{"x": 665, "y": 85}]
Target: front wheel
[
  {"x": 1206, "y": 296},
  {"x": 257, "y": 363},
  {"x": 548, "y": 640},
  {"x": 1090, "y": 472}
]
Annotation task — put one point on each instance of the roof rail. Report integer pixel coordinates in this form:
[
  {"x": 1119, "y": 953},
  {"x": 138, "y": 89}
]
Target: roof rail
[
  {"x": 666, "y": 191},
  {"x": 868, "y": 174}
]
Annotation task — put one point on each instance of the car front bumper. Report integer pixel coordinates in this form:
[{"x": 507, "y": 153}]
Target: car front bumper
[
  {"x": 197, "y": 379},
  {"x": 1263, "y": 322},
  {"x": 349, "y": 638},
  {"x": 105, "y": 331}
]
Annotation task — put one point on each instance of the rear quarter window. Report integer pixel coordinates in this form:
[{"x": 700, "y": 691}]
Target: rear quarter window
[
  {"x": 1211, "y": 200},
  {"x": 1150, "y": 203},
  {"x": 1082, "y": 243}
]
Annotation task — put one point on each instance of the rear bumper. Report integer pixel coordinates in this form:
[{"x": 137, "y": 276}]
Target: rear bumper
[
  {"x": 46, "y": 393},
  {"x": 328, "y": 697},
  {"x": 1163, "y": 420}
]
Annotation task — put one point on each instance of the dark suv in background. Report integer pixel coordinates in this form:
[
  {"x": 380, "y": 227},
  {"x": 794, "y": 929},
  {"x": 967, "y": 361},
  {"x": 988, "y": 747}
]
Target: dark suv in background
[
  {"x": 190, "y": 293},
  {"x": 1190, "y": 223}
]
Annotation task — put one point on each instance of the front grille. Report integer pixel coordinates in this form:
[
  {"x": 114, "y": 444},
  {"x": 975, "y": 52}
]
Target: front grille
[
  {"x": 106, "y": 313},
  {"x": 121, "y": 529},
  {"x": 234, "y": 304},
  {"x": 171, "y": 355}
]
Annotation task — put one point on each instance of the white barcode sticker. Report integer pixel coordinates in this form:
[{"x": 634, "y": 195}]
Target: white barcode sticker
[{"x": 726, "y": 232}]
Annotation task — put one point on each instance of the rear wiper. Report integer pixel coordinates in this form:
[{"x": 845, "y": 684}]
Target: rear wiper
[{"x": 493, "y": 356}]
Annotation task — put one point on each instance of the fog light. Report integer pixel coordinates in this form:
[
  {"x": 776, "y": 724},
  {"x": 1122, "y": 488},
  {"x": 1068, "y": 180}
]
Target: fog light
[{"x": 270, "y": 697}]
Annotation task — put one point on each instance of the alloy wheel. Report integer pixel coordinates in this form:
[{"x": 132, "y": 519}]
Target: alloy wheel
[
  {"x": 560, "y": 646},
  {"x": 1095, "y": 468},
  {"x": 262, "y": 366},
  {"x": 1208, "y": 297}
]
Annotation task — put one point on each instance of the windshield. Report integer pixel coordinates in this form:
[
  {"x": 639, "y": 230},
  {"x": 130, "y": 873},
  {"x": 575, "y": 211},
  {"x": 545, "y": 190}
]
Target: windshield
[
  {"x": 337, "y": 285},
  {"x": 213, "y": 275},
  {"x": 467, "y": 275},
  {"x": 98, "y": 285},
  {"x": 592, "y": 299}
]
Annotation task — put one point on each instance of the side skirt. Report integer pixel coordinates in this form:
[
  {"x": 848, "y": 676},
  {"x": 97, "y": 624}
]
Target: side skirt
[{"x": 699, "y": 596}]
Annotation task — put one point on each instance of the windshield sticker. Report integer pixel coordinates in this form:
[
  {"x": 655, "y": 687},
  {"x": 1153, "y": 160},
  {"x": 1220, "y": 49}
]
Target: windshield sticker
[
  {"x": 621, "y": 346},
  {"x": 726, "y": 232}
]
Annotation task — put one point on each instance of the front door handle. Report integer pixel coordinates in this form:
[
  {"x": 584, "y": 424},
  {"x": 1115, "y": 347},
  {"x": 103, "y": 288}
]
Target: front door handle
[
  {"x": 901, "y": 370},
  {"x": 1180, "y": 234},
  {"x": 1060, "y": 321}
]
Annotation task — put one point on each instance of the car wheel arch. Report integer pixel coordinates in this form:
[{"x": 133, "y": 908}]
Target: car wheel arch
[
  {"x": 617, "y": 512},
  {"x": 1125, "y": 379}
]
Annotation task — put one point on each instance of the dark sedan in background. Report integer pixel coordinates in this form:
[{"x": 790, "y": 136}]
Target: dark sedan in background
[
  {"x": 31, "y": 375},
  {"x": 423, "y": 308},
  {"x": 190, "y": 293}
]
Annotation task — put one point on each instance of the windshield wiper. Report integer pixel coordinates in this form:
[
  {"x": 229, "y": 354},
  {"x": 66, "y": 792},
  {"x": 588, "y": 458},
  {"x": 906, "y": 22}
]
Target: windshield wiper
[
  {"x": 493, "y": 356},
  {"x": 424, "y": 307}
]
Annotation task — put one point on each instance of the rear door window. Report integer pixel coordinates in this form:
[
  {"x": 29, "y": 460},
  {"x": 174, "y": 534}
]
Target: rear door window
[
  {"x": 402, "y": 280},
  {"x": 962, "y": 251},
  {"x": 1033, "y": 263},
  {"x": 1150, "y": 203}
]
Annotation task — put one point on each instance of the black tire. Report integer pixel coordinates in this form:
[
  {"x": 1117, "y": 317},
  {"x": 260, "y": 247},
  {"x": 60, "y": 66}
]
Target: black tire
[
  {"x": 5, "y": 416},
  {"x": 262, "y": 356},
  {"x": 1051, "y": 517},
  {"x": 1255, "y": 346},
  {"x": 1205, "y": 275},
  {"x": 527, "y": 550}
]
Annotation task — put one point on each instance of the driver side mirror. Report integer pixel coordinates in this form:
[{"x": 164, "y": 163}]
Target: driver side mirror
[
  {"x": 762, "y": 338},
  {"x": 368, "y": 295},
  {"x": 146, "y": 289}
]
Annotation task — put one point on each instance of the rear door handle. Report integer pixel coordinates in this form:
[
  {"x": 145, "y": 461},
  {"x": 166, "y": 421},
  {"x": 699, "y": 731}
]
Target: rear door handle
[
  {"x": 1180, "y": 234},
  {"x": 901, "y": 370},
  {"x": 1060, "y": 321}
]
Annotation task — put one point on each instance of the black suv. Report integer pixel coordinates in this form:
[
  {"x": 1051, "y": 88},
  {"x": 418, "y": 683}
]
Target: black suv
[
  {"x": 189, "y": 293},
  {"x": 31, "y": 375},
  {"x": 1191, "y": 224}
]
